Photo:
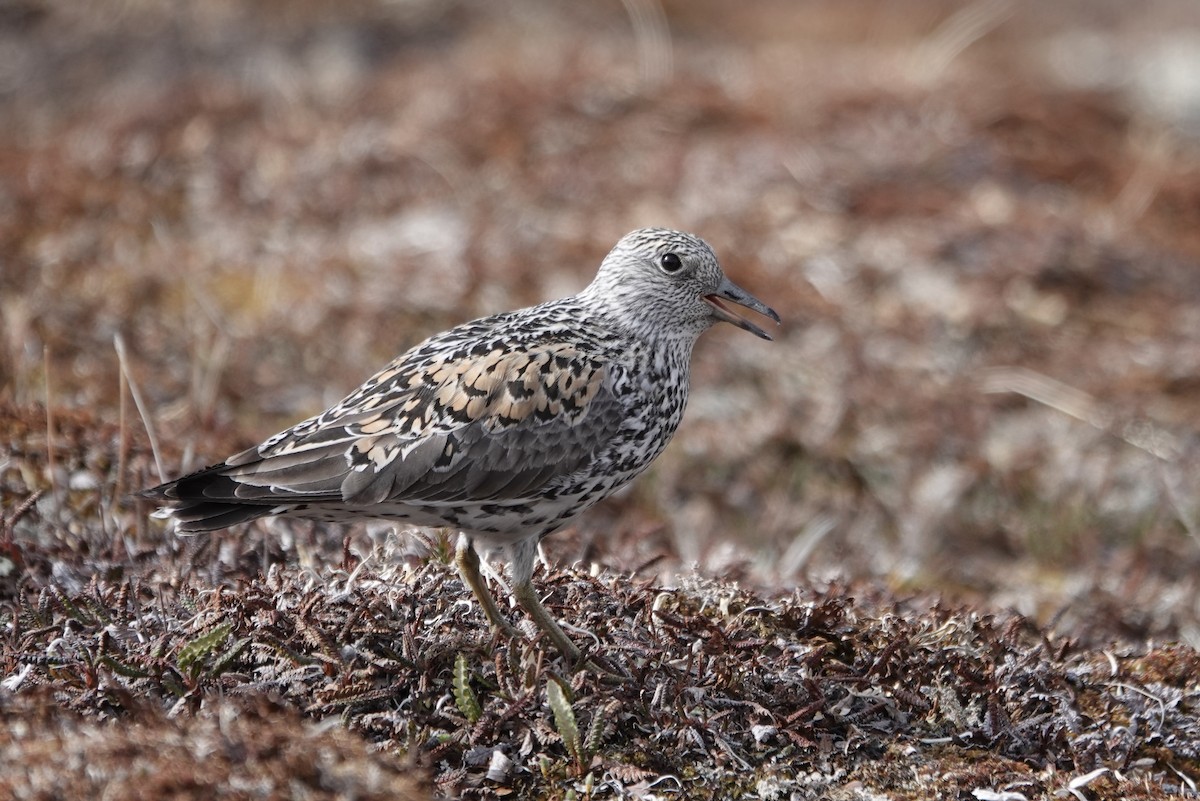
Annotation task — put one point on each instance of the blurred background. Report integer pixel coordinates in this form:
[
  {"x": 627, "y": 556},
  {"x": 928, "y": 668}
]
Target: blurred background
[{"x": 980, "y": 222}]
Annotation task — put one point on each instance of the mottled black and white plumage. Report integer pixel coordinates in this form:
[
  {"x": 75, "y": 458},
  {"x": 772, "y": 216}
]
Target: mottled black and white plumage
[{"x": 504, "y": 428}]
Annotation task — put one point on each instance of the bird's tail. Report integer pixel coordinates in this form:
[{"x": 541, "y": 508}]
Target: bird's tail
[{"x": 206, "y": 501}]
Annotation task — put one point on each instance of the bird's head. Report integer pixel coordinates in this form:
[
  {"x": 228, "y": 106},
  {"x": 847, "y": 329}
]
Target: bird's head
[{"x": 671, "y": 283}]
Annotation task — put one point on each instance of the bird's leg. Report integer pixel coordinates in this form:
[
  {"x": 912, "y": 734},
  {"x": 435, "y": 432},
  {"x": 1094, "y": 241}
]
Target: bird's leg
[
  {"x": 468, "y": 566},
  {"x": 527, "y": 597},
  {"x": 520, "y": 558}
]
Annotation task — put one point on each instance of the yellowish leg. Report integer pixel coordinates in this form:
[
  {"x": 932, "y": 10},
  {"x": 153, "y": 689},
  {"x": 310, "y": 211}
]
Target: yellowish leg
[
  {"x": 527, "y": 597},
  {"x": 522, "y": 558},
  {"x": 468, "y": 566}
]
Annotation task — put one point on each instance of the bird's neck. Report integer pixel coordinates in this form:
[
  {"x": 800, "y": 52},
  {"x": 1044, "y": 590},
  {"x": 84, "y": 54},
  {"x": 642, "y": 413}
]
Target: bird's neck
[{"x": 639, "y": 320}]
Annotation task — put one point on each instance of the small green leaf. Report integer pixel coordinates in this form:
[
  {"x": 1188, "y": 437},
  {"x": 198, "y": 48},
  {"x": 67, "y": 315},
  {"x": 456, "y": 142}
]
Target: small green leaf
[
  {"x": 191, "y": 655},
  {"x": 122, "y": 669},
  {"x": 596, "y": 731},
  {"x": 464, "y": 696},
  {"x": 225, "y": 660},
  {"x": 564, "y": 720},
  {"x": 72, "y": 611}
]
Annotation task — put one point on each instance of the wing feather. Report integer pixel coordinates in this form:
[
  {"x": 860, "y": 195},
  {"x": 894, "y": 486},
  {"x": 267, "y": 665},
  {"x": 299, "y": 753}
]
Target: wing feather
[{"x": 467, "y": 427}]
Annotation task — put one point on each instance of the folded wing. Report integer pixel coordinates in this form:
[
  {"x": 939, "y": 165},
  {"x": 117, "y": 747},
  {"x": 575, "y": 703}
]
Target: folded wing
[{"x": 484, "y": 427}]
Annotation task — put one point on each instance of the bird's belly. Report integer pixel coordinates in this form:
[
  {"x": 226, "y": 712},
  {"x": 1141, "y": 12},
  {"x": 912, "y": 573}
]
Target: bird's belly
[
  {"x": 492, "y": 522},
  {"x": 499, "y": 522}
]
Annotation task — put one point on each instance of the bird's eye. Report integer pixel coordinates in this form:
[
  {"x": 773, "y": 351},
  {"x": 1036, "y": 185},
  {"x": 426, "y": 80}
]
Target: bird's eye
[{"x": 671, "y": 263}]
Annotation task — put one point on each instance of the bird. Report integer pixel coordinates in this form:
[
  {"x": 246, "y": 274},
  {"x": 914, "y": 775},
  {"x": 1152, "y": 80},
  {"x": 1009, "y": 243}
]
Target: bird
[{"x": 505, "y": 428}]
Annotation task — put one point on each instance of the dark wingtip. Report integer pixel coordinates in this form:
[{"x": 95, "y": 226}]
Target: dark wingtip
[
  {"x": 199, "y": 518},
  {"x": 203, "y": 501},
  {"x": 159, "y": 493}
]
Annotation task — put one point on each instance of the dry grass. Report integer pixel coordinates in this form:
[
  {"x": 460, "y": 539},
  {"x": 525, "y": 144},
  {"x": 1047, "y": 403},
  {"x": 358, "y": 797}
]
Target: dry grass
[{"x": 979, "y": 223}]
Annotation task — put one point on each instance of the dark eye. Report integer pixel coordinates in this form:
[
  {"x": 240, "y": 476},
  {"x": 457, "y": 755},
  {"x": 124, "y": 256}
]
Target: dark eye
[{"x": 671, "y": 262}]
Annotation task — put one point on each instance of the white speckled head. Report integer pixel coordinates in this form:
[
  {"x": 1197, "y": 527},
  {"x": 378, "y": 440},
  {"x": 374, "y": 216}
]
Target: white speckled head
[{"x": 664, "y": 283}]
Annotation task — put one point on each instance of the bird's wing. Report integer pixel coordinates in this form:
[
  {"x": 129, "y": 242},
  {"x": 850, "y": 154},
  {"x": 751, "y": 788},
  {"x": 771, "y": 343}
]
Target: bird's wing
[{"x": 466, "y": 426}]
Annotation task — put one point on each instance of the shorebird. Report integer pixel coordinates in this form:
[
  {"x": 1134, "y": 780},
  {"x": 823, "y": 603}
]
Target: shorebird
[{"x": 505, "y": 428}]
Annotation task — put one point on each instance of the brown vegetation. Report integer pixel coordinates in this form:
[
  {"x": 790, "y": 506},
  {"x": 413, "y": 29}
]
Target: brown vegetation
[{"x": 938, "y": 541}]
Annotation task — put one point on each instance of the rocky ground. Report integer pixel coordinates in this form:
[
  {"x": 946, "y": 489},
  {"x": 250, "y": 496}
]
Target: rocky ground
[{"x": 939, "y": 540}]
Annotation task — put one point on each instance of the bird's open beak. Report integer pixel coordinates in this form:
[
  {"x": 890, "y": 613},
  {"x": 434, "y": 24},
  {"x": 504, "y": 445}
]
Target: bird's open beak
[{"x": 732, "y": 292}]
